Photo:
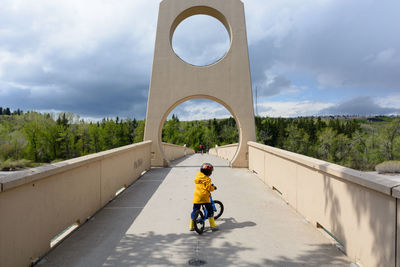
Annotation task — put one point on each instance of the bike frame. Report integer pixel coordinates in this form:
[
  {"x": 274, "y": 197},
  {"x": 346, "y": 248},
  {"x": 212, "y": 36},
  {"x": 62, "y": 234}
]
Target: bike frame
[
  {"x": 200, "y": 215},
  {"x": 212, "y": 203},
  {"x": 205, "y": 210}
]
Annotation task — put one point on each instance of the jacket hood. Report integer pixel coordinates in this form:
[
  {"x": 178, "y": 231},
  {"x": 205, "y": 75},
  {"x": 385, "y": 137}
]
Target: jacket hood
[{"x": 200, "y": 177}]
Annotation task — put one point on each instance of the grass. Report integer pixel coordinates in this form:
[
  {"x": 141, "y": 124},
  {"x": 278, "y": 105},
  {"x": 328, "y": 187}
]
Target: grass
[
  {"x": 12, "y": 165},
  {"x": 392, "y": 166}
]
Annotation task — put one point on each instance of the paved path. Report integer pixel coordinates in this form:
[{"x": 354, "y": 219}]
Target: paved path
[{"x": 147, "y": 225}]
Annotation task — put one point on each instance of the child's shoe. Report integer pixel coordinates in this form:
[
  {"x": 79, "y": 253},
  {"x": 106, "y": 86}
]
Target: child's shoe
[
  {"x": 191, "y": 227},
  {"x": 213, "y": 225}
]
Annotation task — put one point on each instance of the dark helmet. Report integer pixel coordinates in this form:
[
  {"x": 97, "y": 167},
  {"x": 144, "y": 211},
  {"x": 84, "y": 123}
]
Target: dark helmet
[{"x": 206, "y": 168}]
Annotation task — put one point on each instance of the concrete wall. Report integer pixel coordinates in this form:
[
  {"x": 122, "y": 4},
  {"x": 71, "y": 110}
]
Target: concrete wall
[
  {"x": 173, "y": 152},
  {"x": 227, "y": 81},
  {"x": 226, "y": 152},
  {"x": 38, "y": 204},
  {"x": 359, "y": 209}
]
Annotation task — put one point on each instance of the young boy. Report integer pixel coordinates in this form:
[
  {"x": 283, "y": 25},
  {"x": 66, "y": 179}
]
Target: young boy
[{"x": 202, "y": 192}]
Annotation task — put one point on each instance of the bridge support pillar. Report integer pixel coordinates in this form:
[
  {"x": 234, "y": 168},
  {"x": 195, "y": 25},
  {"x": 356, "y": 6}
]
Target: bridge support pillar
[{"x": 228, "y": 81}]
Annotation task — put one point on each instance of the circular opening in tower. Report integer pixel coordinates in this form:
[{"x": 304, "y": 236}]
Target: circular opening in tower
[{"x": 200, "y": 40}]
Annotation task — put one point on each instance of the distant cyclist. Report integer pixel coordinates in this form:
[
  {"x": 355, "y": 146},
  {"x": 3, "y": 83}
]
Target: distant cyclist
[
  {"x": 202, "y": 148},
  {"x": 202, "y": 192}
]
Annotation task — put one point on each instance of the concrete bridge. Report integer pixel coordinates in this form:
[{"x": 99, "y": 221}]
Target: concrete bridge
[
  {"x": 113, "y": 209},
  {"x": 147, "y": 225},
  {"x": 285, "y": 210}
]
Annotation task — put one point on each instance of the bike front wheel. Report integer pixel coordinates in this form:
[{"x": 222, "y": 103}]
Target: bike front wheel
[
  {"x": 198, "y": 219},
  {"x": 219, "y": 209}
]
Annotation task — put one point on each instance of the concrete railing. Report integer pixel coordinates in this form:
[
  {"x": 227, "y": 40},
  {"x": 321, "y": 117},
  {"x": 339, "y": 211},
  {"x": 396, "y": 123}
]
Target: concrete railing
[
  {"x": 36, "y": 205},
  {"x": 358, "y": 209},
  {"x": 176, "y": 152},
  {"x": 213, "y": 151},
  {"x": 226, "y": 152}
]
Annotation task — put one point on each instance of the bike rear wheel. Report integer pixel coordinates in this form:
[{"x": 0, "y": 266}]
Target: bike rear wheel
[
  {"x": 219, "y": 209},
  {"x": 198, "y": 219}
]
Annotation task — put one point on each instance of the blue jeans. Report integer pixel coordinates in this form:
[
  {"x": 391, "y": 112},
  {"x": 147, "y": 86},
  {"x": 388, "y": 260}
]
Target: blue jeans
[{"x": 209, "y": 207}]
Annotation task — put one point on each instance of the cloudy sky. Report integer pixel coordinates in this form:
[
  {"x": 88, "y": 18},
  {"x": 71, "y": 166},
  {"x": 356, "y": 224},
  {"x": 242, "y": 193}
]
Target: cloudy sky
[{"x": 93, "y": 58}]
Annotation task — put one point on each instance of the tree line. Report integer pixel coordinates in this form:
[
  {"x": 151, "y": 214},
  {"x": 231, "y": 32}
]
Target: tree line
[
  {"x": 204, "y": 132},
  {"x": 7, "y": 111},
  {"x": 46, "y": 137},
  {"x": 357, "y": 143}
]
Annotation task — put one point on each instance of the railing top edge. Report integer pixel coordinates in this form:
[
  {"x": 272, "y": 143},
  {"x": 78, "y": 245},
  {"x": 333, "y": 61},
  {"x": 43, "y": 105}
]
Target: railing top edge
[
  {"x": 122, "y": 149},
  {"x": 173, "y": 145},
  {"x": 30, "y": 175},
  {"x": 396, "y": 191},
  {"x": 230, "y": 145},
  {"x": 371, "y": 181}
]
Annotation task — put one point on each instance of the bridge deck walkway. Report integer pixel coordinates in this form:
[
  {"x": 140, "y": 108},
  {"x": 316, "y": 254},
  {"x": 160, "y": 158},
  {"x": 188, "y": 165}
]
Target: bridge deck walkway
[{"x": 147, "y": 225}]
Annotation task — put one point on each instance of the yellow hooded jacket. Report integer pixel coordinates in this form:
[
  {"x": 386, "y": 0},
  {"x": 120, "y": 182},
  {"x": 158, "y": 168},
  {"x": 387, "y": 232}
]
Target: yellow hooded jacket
[{"x": 202, "y": 189}]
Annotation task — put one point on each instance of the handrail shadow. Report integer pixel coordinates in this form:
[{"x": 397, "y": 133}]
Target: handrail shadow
[{"x": 108, "y": 226}]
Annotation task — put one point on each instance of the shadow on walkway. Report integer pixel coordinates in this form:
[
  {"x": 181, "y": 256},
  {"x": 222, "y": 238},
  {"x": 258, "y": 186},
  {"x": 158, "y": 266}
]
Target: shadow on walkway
[
  {"x": 315, "y": 256},
  {"x": 172, "y": 249},
  {"x": 178, "y": 249},
  {"x": 118, "y": 236},
  {"x": 149, "y": 249},
  {"x": 93, "y": 242}
]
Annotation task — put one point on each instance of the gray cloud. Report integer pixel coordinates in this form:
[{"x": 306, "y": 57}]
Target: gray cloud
[
  {"x": 363, "y": 106},
  {"x": 275, "y": 85},
  {"x": 67, "y": 57},
  {"x": 262, "y": 56},
  {"x": 198, "y": 109},
  {"x": 342, "y": 45},
  {"x": 107, "y": 76}
]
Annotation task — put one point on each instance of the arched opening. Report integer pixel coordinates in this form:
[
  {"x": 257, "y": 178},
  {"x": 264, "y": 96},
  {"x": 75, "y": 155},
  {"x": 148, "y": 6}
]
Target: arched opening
[
  {"x": 200, "y": 120},
  {"x": 200, "y": 40},
  {"x": 200, "y": 36}
]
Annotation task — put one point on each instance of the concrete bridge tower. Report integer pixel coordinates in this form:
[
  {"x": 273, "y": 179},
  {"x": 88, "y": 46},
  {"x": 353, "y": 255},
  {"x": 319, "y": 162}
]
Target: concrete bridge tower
[{"x": 227, "y": 81}]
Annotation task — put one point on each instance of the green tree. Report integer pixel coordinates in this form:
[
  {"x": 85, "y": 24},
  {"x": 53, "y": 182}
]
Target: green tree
[
  {"x": 325, "y": 140},
  {"x": 34, "y": 135},
  {"x": 83, "y": 139},
  {"x": 95, "y": 140},
  {"x": 340, "y": 148},
  {"x": 358, "y": 154},
  {"x": 139, "y": 135},
  {"x": 297, "y": 140},
  {"x": 389, "y": 135}
]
